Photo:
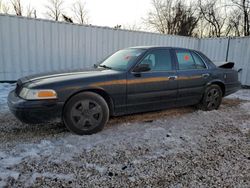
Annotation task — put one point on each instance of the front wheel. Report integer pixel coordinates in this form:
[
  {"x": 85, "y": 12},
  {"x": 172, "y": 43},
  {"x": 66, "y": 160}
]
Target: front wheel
[
  {"x": 211, "y": 99},
  {"x": 86, "y": 113}
]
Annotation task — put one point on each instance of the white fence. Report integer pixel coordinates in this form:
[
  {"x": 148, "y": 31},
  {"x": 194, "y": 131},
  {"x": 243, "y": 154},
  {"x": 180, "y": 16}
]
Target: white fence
[
  {"x": 29, "y": 46},
  {"x": 239, "y": 52},
  {"x": 214, "y": 48},
  {"x": 235, "y": 49}
]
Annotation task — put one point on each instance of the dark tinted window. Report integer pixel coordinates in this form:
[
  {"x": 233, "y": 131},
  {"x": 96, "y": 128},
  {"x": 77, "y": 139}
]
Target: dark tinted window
[
  {"x": 198, "y": 61},
  {"x": 185, "y": 60},
  {"x": 158, "y": 60}
]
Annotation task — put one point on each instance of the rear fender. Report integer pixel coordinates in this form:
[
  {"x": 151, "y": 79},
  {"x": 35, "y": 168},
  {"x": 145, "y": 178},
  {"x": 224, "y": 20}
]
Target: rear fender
[{"x": 219, "y": 83}]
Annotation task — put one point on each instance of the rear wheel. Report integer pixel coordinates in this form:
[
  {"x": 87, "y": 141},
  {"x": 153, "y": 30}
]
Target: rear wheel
[
  {"x": 86, "y": 113},
  {"x": 211, "y": 99}
]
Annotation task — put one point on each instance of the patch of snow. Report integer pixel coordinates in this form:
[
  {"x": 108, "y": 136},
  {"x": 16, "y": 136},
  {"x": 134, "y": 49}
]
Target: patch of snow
[
  {"x": 101, "y": 170},
  {"x": 243, "y": 94},
  {"x": 36, "y": 175},
  {"x": 245, "y": 126},
  {"x": 246, "y": 106},
  {"x": 9, "y": 160},
  {"x": 5, "y": 88},
  {"x": 8, "y": 174}
]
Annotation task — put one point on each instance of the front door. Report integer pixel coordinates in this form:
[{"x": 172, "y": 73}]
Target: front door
[{"x": 156, "y": 88}]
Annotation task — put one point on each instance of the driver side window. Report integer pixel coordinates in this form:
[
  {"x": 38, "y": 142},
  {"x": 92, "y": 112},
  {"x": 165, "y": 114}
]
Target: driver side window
[{"x": 158, "y": 60}]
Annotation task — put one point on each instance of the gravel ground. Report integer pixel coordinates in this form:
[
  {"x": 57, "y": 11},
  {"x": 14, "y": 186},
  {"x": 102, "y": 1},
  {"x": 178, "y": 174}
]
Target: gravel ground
[{"x": 179, "y": 147}]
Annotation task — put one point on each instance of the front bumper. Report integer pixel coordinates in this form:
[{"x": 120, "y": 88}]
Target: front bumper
[{"x": 36, "y": 111}]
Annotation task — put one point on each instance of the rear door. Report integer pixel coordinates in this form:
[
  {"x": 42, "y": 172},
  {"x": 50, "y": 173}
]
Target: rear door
[
  {"x": 193, "y": 75},
  {"x": 154, "y": 89}
]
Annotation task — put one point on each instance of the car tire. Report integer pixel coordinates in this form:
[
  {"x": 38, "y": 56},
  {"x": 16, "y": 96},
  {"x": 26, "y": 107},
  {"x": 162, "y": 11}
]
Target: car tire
[
  {"x": 86, "y": 113},
  {"x": 211, "y": 99}
]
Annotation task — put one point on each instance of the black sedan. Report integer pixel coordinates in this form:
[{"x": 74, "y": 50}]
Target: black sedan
[{"x": 132, "y": 80}]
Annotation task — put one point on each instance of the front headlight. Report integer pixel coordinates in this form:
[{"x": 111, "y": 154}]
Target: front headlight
[{"x": 37, "y": 94}]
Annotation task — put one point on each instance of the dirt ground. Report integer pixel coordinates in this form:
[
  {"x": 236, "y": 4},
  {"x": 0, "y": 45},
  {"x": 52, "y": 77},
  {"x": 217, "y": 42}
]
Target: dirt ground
[{"x": 181, "y": 147}]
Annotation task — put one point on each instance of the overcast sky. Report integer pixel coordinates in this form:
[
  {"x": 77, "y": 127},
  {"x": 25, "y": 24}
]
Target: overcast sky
[{"x": 103, "y": 12}]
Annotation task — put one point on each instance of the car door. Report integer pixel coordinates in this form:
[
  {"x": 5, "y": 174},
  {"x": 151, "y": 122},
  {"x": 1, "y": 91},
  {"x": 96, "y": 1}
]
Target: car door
[
  {"x": 193, "y": 75},
  {"x": 153, "y": 89}
]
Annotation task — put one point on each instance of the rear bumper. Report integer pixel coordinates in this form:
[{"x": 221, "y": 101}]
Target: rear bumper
[
  {"x": 232, "y": 88},
  {"x": 34, "y": 112}
]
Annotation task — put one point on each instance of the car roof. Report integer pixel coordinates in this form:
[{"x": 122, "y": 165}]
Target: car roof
[{"x": 158, "y": 47}]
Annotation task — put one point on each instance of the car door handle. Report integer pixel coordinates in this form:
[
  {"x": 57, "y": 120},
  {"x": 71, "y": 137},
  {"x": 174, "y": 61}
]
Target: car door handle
[
  {"x": 205, "y": 75},
  {"x": 172, "y": 77}
]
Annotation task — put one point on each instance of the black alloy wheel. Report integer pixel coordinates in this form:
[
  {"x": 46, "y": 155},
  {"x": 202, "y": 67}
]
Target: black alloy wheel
[{"x": 86, "y": 113}]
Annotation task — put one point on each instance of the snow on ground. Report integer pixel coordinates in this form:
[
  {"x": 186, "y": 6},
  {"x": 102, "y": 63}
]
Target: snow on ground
[
  {"x": 5, "y": 88},
  {"x": 180, "y": 147},
  {"x": 243, "y": 94}
]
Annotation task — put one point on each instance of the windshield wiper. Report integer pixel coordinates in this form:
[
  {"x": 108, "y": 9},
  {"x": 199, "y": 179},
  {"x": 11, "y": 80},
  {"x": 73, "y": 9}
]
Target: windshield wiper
[{"x": 105, "y": 66}]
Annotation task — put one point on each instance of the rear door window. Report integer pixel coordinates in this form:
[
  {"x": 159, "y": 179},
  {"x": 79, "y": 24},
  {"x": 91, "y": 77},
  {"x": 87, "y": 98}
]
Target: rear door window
[{"x": 185, "y": 60}]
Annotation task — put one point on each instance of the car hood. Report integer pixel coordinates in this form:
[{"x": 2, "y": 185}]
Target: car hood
[{"x": 65, "y": 75}]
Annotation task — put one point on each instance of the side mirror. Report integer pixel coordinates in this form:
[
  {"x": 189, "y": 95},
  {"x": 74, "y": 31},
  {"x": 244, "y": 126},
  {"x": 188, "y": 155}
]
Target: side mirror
[{"x": 142, "y": 68}]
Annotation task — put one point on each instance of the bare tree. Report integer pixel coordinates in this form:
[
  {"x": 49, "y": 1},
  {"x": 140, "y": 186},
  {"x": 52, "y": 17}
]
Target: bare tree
[
  {"x": 157, "y": 17},
  {"x": 132, "y": 27},
  {"x": 215, "y": 15},
  {"x": 4, "y": 8},
  {"x": 80, "y": 11},
  {"x": 17, "y": 7},
  {"x": 244, "y": 7},
  {"x": 1, "y": 5},
  {"x": 234, "y": 23},
  {"x": 54, "y": 9},
  {"x": 35, "y": 15},
  {"x": 67, "y": 19},
  {"x": 31, "y": 12},
  {"x": 117, "y": 26},
  {"x": 185, "y": 20},
  {"x": 173, "y": 17}
]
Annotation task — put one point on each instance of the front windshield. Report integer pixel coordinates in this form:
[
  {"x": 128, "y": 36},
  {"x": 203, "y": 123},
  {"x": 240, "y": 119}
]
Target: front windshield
[{"x": 122, "y": 59}]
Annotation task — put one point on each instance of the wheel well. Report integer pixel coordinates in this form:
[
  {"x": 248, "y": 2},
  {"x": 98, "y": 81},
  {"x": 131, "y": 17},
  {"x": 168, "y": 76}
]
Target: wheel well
[
  {"x": 100, "y": 92},
  {"x": 222, "y": 86}
]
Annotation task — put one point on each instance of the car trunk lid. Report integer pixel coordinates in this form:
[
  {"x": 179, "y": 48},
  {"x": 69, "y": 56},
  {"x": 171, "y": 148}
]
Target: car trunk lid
[{"x": 225, "y": 64}]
